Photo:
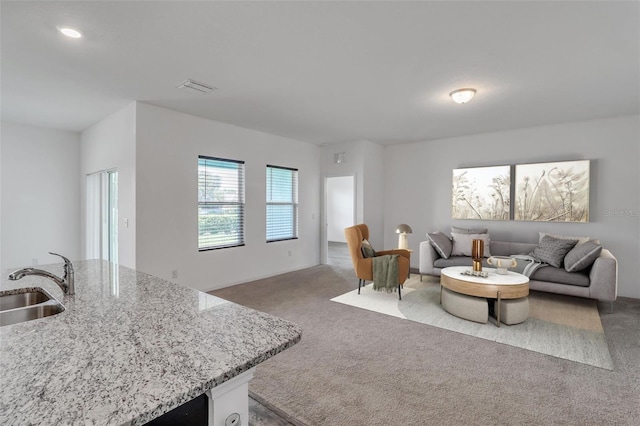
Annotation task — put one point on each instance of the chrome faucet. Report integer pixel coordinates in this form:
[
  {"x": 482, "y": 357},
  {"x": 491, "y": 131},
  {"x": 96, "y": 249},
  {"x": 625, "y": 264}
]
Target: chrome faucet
[{"x": 66, "y": 283}]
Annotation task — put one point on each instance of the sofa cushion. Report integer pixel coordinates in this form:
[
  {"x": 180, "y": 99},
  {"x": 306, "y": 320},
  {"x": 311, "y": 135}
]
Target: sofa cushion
[
  {"x": 456, "y": 261},
  {"x": 441, "y": 243},
  {"x": 456, "y": 230},
  {"x": 367, "y": 249},
  {"x": 582, "y": 256},
  {"x": 560, "y": 276},
  {"x": 552, "y": 250},
  {"x": 505, "y": 248},
  {"x": 462, "y": 244}
]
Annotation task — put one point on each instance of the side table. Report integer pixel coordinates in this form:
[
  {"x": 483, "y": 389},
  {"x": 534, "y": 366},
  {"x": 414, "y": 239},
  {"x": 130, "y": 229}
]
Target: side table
[{"x": 410, "y": 251}]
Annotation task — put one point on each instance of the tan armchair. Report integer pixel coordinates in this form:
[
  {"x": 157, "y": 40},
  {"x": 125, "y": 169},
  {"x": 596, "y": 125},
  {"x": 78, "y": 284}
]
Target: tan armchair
[{"x": 362, "y": 266}]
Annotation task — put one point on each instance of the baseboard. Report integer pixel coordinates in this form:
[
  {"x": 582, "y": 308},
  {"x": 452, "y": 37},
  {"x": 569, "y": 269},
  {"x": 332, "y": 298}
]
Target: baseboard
[
  {"x": 279, "y": 412},
  {"x": 261, "y": 277}
]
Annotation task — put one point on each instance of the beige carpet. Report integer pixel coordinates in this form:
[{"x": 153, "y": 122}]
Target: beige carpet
[
  {"x": 561, "y": 326},
  {"x": 573, "y": 312},
  {"x": 358, "y": 367}
]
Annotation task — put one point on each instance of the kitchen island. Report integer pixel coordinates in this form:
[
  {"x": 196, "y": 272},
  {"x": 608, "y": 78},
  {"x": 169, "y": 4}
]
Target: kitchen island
[{"x": 130, "y": 347}]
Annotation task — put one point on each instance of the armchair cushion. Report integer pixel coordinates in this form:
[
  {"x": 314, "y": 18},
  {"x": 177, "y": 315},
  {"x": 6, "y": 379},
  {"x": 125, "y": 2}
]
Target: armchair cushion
[
  {"x": 400, "y": 252},
  {"x": 367, "y": 250}
]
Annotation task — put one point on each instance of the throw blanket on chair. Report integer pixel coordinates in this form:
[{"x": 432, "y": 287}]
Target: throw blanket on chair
[
  {"x": 527, "y": 265},
  {"x": 385, "y": 273}
]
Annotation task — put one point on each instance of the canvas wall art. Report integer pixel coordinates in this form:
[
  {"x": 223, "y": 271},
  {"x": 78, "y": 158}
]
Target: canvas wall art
[
  {"x": 481, "y": 193},
  {"x": 552, "y": 192}
]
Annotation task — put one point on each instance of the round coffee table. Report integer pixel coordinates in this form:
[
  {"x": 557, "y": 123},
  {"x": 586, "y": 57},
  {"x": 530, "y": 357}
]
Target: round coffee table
[{"x": 494, "y": 286}]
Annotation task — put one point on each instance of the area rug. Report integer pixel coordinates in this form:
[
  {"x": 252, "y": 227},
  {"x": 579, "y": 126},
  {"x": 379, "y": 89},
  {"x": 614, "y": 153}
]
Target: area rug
[{"x": 561, "y": 326}]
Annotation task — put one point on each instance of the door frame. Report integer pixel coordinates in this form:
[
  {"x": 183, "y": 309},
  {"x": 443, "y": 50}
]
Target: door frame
[{"x": 324, "y": 241}]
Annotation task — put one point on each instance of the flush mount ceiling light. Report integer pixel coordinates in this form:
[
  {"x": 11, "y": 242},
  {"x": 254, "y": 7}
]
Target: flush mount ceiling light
[
  {"x": 462, "y": 96},
  {"x": 70, "y": 32}
]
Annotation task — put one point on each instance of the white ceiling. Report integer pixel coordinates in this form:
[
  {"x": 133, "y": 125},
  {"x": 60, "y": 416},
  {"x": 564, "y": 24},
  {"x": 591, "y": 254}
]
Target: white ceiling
[{"x": 325, "y": 72}]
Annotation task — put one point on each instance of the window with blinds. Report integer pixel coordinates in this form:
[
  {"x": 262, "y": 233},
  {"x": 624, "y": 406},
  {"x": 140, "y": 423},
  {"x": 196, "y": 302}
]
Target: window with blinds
[
  {"x": 220, "y": 203},
  {"x": 282, "y": 203}
]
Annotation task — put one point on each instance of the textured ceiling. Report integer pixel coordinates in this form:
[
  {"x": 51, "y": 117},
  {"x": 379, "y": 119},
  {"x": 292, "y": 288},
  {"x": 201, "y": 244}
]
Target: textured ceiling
[{"x": 325, "y": 72}]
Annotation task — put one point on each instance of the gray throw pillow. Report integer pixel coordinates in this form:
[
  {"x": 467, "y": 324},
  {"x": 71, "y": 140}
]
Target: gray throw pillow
[
  {"x": 367, "y": 250},
  {"x": 441, "y": 243},
  {"x": 564, "y": 237},
  {"x": 553, "y": 250},
  {"x": 582, "y": 256},
  {"x": 456, "y": 230}
]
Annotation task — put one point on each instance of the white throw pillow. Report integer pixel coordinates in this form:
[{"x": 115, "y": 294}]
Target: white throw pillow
[{"x": 462, "y": 244}]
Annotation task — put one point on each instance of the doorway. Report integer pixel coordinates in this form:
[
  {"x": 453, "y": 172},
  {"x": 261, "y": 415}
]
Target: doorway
[
  {"x": 102, "y": 216},
  {"x": 340, "y": 213}
]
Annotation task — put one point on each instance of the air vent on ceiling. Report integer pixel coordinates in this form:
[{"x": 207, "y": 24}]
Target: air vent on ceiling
[{"x": 196, "y": 87}]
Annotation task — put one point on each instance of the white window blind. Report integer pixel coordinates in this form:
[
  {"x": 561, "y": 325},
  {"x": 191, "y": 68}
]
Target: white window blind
[
  {"x": 282, "y": 203},
  {"x": 220, "y": 203}
]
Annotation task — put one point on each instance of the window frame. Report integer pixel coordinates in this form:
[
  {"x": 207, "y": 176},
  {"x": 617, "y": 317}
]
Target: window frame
[
  {"x": 294, "y": 203},
  {"x": 241, "y": 204}
]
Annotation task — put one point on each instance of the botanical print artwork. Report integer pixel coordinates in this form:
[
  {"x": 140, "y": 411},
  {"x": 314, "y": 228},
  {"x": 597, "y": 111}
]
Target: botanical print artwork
[
  {"x": 552, "y": 192},
  {"x": 481, "y": 193}
]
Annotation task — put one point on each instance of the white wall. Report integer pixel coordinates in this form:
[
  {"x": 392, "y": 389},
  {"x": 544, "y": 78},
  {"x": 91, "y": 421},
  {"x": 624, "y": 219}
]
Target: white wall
[
  {"x": 340, "y": 206},
  {"x": 168, "y": 145},
  {"x": 1, "y": 180},
  {"x": 353, "y": 165},
  {"x": 1, "y": 262},
  {"x": 373, "y": 176},
  {"x": 40, "y": 195},
  {"x": 418, "y": 184},
  {"x": 364, "y": 160},
  {"x": 111, "y": 144}
]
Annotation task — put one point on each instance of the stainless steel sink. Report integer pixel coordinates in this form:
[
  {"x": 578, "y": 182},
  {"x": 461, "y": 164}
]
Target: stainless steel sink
[
  {"x": 29, "y": 313},
  {"x": 12, "y": 301},
  {"x": 26, "y": 306}
]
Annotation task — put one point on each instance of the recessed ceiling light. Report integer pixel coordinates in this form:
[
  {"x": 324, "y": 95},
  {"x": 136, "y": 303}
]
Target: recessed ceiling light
[
  {"x": 462, "y": 96},
  {"x": 70, "y": 32}
]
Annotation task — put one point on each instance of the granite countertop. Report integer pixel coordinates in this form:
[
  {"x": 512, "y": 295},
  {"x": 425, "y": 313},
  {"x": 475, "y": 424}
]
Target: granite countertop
[{"x": 128, "y": 348}]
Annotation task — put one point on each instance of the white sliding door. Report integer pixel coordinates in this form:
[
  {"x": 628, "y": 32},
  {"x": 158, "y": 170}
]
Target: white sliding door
[{"x": 102, "y": 216}]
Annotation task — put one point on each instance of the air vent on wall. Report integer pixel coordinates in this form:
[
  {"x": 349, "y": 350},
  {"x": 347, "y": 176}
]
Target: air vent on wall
[{"x": 194, "y": 86}]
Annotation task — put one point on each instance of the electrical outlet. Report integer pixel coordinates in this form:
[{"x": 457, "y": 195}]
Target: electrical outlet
[
  {"x": 289, "y": 253},
  {"x": 174, "y": 273},
  {"x": 34, "y": 261}
]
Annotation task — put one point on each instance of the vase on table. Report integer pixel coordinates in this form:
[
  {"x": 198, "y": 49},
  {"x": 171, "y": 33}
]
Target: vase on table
[{"x": 477, "y": 253}]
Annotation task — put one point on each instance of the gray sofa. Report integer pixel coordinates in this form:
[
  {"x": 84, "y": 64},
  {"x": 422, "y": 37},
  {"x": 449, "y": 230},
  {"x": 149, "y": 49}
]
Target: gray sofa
[{"x": 600, "y": 281}]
